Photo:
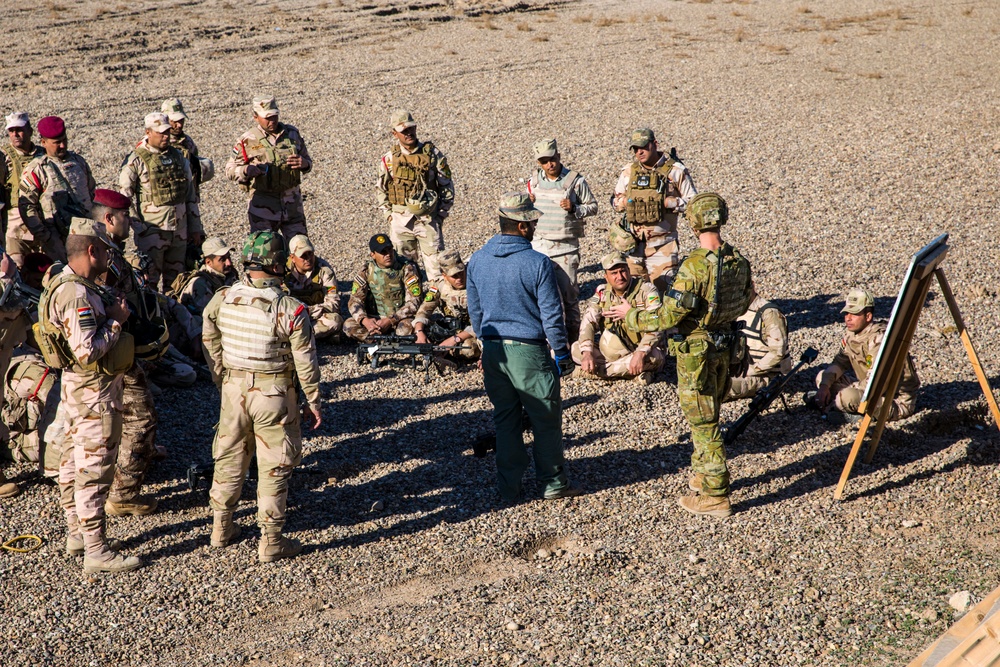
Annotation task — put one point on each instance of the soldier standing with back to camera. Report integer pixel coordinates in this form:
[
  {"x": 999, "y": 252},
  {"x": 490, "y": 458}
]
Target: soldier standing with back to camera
[
  {"x": 711, "y": 290},
  {"x": 257, "y": 339}
]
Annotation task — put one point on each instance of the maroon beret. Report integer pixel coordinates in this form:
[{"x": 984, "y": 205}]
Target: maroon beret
[
  {"x": 51, "y": 127},
  {"x": 111, "y": 199}
]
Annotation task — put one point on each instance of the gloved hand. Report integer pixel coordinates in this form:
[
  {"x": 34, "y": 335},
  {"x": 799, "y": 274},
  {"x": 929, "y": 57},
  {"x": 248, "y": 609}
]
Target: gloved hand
[{"x": 565, "y": 364}]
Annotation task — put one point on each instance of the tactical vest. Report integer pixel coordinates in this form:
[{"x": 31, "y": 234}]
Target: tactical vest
[
  {"x": 753, "y": 332},
  {"x": 18, "y": 161},
  {"x": 629, "y": 337},
  {"x": 410, "y": 174},
  {"x": 278, "y": 177},
  {"x": 186, "y": 146},
  {"x": 249, "y": 327},
  {"x": 645, "y": 192},
  {"x": 168, "y": 184},
  {"x": 728, "y": 286},
  {"x": 555, "y": 224},
  {"x": 386, "y": 290},
  {"x": 312, "y": 293}
]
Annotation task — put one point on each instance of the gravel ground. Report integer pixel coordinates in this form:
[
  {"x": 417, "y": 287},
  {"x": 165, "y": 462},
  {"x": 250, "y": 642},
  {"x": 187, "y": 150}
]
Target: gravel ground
[{"x": 845, "y": 135}]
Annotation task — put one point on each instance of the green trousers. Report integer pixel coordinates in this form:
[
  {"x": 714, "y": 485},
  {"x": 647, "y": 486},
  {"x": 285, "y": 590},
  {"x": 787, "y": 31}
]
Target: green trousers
[
  {"x": 702, "y": 383},
  {"x": 520, "y": 375}
]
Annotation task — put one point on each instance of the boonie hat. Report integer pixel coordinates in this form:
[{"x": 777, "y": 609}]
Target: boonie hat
[
  {"x": 857, "y": 300},
  {"x": 401, "y": 119},
  {"x": 174, "y": 109},
  {"x": 215, "y": 247},
  {"x": 379, "y": 243},
  {"x": 17, "y": 119},
  {"x": 451, "y": 263},
  {"x": 265, "y": 107},
  {"x": 157, "y": 122},
  {"x": 51, "y": 127},
  {"x": 518, "y": 206},
  {"x": 613, "y": 259},
  {"x": 545, "y": 148},
  {"x": 88, "y": 227},
  {"x": 300, "y": 245},
  {"x": 641, "y": 137},
  {"x": 111, "y": 199}
]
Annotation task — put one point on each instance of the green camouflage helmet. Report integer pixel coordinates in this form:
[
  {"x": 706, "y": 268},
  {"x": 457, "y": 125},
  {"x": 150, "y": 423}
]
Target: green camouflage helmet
[
  {"x": 264, "y": 249},
  {"x": 706, "y": 210}
]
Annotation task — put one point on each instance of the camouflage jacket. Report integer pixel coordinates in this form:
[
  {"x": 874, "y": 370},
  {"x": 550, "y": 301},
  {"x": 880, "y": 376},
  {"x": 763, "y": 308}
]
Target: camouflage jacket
[
  {"x": 251, "y": 149},
  {"x": 12, "y": 167},
  {"x": 318, "y": 287},
  {"x": 766, "y": 332},
  {"x": 639, "y": 294},
  {"x": 46, "y": 176},
  {"x": 394, "y": 292},
  {"x": 200, "y": 289},
  {"x": 438, "y": 179},
  {"x": 857, "y": 354},
  {"x": 134, "y": 183},
  {"x": 451, "y": 302}
]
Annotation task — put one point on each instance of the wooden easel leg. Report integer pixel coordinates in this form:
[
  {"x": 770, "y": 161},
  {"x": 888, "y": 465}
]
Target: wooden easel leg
[
  {"x": 967, "y": 343},
  {"x": 865, "y": 423},
  {"x": 883, "y": 410}
]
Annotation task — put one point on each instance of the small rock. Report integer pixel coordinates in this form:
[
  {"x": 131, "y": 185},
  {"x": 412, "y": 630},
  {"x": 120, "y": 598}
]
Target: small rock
[
  {"x": 930, "y": 615},
  {"x": 542, "y": 554},
  {"x": 960, "y": 601},
  {"x": 910, "y": 523},
  {"x": 695, "y": 559},
  {"x": 811, "y": 594},
  {"x": 377, "y": 506},
  {"x": 514, "y": 626}
]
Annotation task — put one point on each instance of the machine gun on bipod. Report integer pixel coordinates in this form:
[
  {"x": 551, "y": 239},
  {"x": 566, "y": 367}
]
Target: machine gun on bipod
[{"x": 379, "y": 346}]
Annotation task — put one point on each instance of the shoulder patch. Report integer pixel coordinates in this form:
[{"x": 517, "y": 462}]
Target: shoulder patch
[
  {"x": 868, "y": 360},
  {"x": 86, "y": 318}
]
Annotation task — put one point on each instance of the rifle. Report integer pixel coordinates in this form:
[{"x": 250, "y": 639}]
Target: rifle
[
  {"x": 17, "y": 288},
  {"x": 391, "y": 345},
  {"x": 765, "y": 397}
]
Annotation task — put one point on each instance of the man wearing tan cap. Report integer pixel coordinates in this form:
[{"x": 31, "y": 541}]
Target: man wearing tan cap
[
  {"x": 564, "y": 198},
  {"x": 268, "y": 160},
  {"x": 201, "y": 284},
  {"x": 651, "y": 194},
  {"x": 80, "y": 331},
  {"x": 157, "y": 178},
  {"x": 621, "y": 352},
  {"x": 311, "y": 280},
  {"x": 17, "y": 153},
  {"x": 448, "y": 297},
  {"x": 415, "y": 193},
  {"x": 835, "y": 385},
  {"x": 54, "y": 188},
  {"x": 174, "y": 111}
]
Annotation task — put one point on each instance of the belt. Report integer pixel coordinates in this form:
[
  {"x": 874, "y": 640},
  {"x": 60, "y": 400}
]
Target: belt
[
  {"x": 511, "y": 341},
  {"x": 241, "y": 373}
]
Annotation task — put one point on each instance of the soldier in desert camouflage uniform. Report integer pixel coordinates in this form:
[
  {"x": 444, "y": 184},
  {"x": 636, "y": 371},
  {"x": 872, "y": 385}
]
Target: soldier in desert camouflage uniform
[
  {"x": 13, "y": 329},
  {"x": 31, "y": 397},
  {"x": 257, "y": 340},
  {"x": 415, "y": 193},
  {"x": 385, "y": 295},
  {"x": 269, "y": 160},
  {"x": 766, "y": 333},
  {"x": 53, "y": 189},
  {"x": 448, "y": 295},
  {"x": 201, "y": 285},
  {"x": 16, "y": 155},
  {"x": 711, "y": 290},
  {"x": 157, "y": 178},
  {"x": 80, "y": 330},
  {"x": 311, "y": 280},
  {"x": 621, "y": 352},
  {"x": 202, "y": 169}
]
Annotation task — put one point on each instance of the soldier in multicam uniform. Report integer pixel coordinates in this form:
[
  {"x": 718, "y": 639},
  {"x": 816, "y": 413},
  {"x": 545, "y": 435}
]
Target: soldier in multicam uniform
[
  {"x": 16, "y": 155},
  {"x": 766, "y": 333},
  {"x": 711, "y": 290},
  {"x": 54, "y": 188},
  {"x": 621, "y": 352},
  {"x": 258, "y": 339},
  {"x": 385, "y": 295},
  {"x": 415, "y": 193},
  {"x": 80, "y": 330},
  {"x": 448, "y": 296},
  {"x": 269, "y": 160},
  {"x": 158, "y": 181},
  {"x": 651, "y": 192},
  {"x": 564, "y": 198},
  {"x": 311, "y": 280},
  {"x": 13, "y": 330},
  {"x": 836, "y": 388},
  {"x": 199, "y": 286}
]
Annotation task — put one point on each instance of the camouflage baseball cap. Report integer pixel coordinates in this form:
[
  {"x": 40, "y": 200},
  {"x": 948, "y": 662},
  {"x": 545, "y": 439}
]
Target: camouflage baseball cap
[
  {"x": 17, "y": 119},
  {"x": 264, "y": 106},
  {"x": 641, "y": 137},
  {"x": 157, "y": 122},
  {"x": 88, "y": 227},
  {"x": 518, "y": 206},
  {"x": 546, "y": 148},
  {"x": 264, "y": 249},
  {"x": 174, "y": 109},
  {"x": 300, "y": 244},
  {"x": 706, "y": 210},
  {"x": 451, "y": 263},
  {"x": 215, "y": 247},
  {"x": 857, "y": 300},
  {"x": 401, "y": 119},
  {"x": 613, "y": 259},
  {"x": 379, "y": 243}
]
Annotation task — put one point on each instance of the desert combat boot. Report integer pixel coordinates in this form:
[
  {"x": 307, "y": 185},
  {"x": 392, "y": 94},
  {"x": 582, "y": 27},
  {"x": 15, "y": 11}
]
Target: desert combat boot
[
  {"x": 224, "y": 530},
  {"x": 275, "y": 546},
  {"x": 717, "y": 506},
  {"x": 100, "y": 558},
  {"x": 139, "y": 506},
  {"x": 8, "y": 489}
]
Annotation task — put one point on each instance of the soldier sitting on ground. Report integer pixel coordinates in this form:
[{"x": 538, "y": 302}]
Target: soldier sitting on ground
[
  {"x": 766, "y": 333},
  {"x": 837, "y": 388},
  {"x": 311, "y": 280},
  {"x": 445, "y": 310},
  {"x": 194, "y": 289},
  {"x": 385, "y": 295},
  {"x": 621, "y": 352}
]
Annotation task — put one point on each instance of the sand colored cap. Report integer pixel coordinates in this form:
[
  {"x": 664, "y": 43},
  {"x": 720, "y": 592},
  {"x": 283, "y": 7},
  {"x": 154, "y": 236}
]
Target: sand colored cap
[
  {"x": 51, "y": 127},
  {"x": 545, "y": 148},
  {"x": 215, "y": 247},
  {"x": 88, "y": 227},
  {"x": 17, "y": 119},
  {"x": 401, "y": 119},
  {"x": 265, "y": 107},
  {"x": 613, "y": 259},
  {"x": 111, "y": 199},
  {"x": 451, "y": 263},
  {"x": 518, "y": 206},
  {"x": 157, "y": 122},
  {"x": 379, "y": 243},
  {"x": 174, "y": 109},
  {"x": 641, "y": 137},
  {"x": 857, "y": 300},
  {"x": 300, "y": 245}
]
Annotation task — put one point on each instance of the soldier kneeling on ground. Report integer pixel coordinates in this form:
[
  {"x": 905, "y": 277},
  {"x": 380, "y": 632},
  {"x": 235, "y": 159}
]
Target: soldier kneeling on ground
[
  {"x": 443, "y": 317},
  {"x": 385, "y": 295},
  {"x": 311, "y": 280},
  {"x": 766, "y": 333}
]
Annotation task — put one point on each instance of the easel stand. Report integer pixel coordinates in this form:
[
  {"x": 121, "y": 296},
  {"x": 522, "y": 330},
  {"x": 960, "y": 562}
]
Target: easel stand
[{"x": 878, "y": 410}]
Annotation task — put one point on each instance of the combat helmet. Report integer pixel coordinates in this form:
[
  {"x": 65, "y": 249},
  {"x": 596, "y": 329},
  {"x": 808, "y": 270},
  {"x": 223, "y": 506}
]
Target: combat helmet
[
  {"x": 262, "y": 250},
  {"x": 706, "y": 210}
]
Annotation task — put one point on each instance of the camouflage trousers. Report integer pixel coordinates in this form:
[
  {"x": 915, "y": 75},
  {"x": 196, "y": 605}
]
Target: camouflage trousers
[
  {"x": 655, "y": 259},
  {"x": 282, "y": 213},
  {"x": 612, "y": 357},
  {"x": 138, "y": 440},
  {"x": 166, "y": 250},
  {"x": 748, "y": 386},
  {"x": 357, "y": 331},
  {"x": 565, "y": 256},
  {"x": 702, "y": 382},
  {"x": 847, "y": 395},
  {"x": 259, "y": 415},
  {"x": 327, "y": 324},
  {"x": 32, "y": 397},
  {"x": 418, "y": 238}
]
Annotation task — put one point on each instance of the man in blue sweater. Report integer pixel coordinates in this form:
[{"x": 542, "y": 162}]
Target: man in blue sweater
[{"x": 515, "y": 308}]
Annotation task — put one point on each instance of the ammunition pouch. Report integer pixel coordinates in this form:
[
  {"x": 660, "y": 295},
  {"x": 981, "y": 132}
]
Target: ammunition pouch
[
  {"x": 620, "y": 238},
  {"x": 53, "y": 347},
  {"x": 278, "y": 176},
  {"x": 168, "y": 185},
  {"x": 644, "y": 207}
]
